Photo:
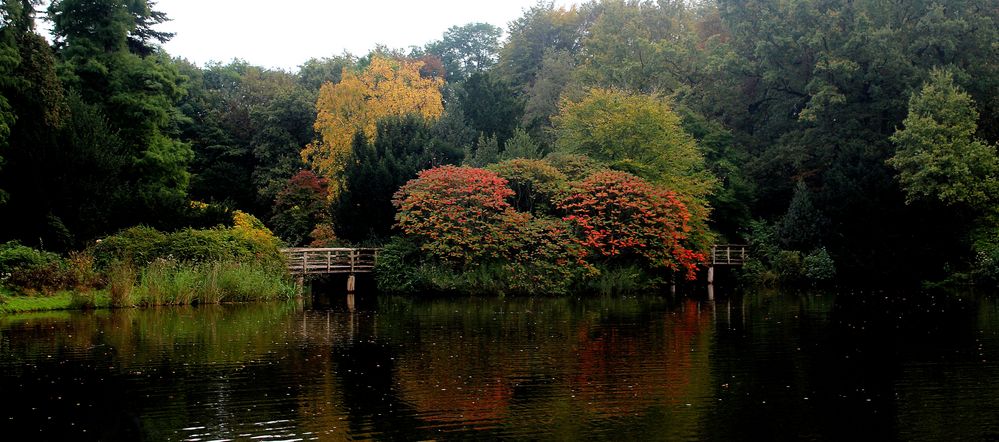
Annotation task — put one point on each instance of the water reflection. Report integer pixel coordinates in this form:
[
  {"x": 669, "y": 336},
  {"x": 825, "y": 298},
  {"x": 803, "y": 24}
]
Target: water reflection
[{"x": 761, "y": 366}]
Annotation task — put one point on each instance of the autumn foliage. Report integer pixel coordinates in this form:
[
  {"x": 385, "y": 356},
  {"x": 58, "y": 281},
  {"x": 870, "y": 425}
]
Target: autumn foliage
[
  {"x": 620, "y": 215},
  {"x": 459, "y": 213},
  {"x": 463, "y": 216},
  {"x": 387, "y": 87}
]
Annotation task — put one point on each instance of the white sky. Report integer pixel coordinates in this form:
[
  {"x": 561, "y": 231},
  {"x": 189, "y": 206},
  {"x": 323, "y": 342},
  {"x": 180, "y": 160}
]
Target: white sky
[{"x": 284, "y": 34}]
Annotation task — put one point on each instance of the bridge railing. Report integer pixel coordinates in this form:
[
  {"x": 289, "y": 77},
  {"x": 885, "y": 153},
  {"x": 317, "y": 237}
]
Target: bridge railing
[
  {"x": 729, "y": 254},
  {"x": 316, "y": 261}
]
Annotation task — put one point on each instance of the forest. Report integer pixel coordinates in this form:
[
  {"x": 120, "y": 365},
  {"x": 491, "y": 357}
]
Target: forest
[{"x": 843, "y": 140}]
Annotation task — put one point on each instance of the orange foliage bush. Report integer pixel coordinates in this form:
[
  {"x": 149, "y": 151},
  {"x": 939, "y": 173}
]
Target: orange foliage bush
[{"x": 621, "y": 216}]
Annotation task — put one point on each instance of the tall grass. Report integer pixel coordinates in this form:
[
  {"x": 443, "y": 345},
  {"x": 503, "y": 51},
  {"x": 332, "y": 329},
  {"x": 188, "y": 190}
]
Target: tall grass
[
  {"x": 121, "y": 283},
  {"x": 172, "y": 283}
]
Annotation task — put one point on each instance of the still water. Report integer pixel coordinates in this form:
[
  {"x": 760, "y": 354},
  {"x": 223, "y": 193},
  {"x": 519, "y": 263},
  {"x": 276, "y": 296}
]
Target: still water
[{"x": 766, "y": 366}]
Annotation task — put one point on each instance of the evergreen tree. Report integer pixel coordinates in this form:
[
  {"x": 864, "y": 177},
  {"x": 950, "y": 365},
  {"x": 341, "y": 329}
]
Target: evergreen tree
[
  {"x": 486, "y": 152},
  {"x": 108, "y": 57},
  {"x": 490, "y": 106},
  {"x": 521, "y": 145},
  {"x": 375, "y": 171}
]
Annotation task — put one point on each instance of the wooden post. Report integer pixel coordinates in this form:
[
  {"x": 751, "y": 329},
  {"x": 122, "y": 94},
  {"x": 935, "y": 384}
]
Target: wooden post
[
  {"x": 711, "y": 275},
  {"x": 350, "y": 283}
]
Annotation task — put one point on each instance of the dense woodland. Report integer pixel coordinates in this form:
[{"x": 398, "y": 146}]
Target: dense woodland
[{"x": 856, "y": 134}]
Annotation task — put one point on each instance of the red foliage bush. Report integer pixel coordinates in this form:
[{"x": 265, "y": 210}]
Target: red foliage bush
[
  {"x": 458, "y": 213},
  {"x": 620, "y": 215}
]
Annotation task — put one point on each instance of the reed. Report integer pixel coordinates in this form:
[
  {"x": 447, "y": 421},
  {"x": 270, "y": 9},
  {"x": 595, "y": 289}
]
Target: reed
[{"x": 121, "y": 283}]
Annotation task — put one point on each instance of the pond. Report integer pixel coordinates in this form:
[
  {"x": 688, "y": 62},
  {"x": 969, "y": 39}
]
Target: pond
[{"x": 841, "y": 366}]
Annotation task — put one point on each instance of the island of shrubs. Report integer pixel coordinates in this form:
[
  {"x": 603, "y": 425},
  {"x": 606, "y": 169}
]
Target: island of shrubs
[{"x": 527, "y": 226}]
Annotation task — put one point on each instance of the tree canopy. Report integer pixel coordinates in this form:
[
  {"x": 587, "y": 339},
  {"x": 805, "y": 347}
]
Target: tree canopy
[{"x": 385, "y": 88}]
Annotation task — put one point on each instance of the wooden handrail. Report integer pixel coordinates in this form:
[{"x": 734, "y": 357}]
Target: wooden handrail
[{"x": 729, "y": 254}]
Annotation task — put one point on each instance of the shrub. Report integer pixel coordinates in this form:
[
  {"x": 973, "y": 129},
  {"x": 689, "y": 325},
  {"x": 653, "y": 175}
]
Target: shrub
[
  {"x": 256, "y": 238},
  {"x": 573, "y": 166},
  {"x": 819, "y": 266},
  {"x": 398, "y": 269},
  {"x": 84, "y": 274},
  {"x": 770, "y": 265},
  {"x": 789, "y": 266},
  {"x": 299, "y": 206},
  {"x": 535, "y": 183},
  {"x": 458, "y": 214},
  {"x": 621, "y": 217},
  {"x": 139, "y": 244},
  {"x": 987, "y": 265},
  {"x": 248, "y": 240},
  {"x": 545, "y": 258},
  {"x": 32, "y": 270},
  {"x": 620, "y": 279},
  {"x": 542, "y": 259},
  {"x": 200, "y": 246}
]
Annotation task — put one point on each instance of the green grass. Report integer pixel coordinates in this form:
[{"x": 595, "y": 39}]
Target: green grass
[{"x": 64, "y": 300}]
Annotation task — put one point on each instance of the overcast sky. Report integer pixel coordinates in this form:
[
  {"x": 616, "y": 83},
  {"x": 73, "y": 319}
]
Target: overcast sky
[{"x": 284, "y": 34}]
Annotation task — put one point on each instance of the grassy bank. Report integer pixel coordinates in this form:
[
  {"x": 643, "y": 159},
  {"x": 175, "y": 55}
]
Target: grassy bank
[
  {"x": 64, "y": 300},
  {"x": 163, "y": 283}
]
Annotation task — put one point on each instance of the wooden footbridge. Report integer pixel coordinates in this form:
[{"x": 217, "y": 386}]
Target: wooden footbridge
[
  {"x": 326, "y": 261},
  {"x": 306, "y": 261},
  {"x": 729, "y": 254}
]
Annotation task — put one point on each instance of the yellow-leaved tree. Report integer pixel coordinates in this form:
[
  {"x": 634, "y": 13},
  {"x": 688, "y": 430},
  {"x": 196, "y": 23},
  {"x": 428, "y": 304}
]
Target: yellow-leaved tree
[{"x": 387, "y": 87}]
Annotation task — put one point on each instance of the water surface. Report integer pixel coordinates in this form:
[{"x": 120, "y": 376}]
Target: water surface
[{"x": 761, "y": 366}]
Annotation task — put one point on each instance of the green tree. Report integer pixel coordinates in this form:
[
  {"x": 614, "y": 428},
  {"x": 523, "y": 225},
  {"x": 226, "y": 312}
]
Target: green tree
[
  {"x": 486, "y": 152},
  {"x": 541, "y": 29},
  {"x": 801, "y": 227},
  {"x": 32, "y": 112},
  {"x": 466, "y": 50},
  {"x": 317, "y": 71},
  {"x": 641, "y": 46},
  {"x": 542, "y": 97},
  {"x": 490, "y": 106},
  {"x": 815, "y": 89},
  {"x": 939, "y": 156},
  {"x": 247, "y": 126},
  {"x": 521, "y": 145},
  {"x": 636, "y": 133},
  {"x": 109, "y": 58}
]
